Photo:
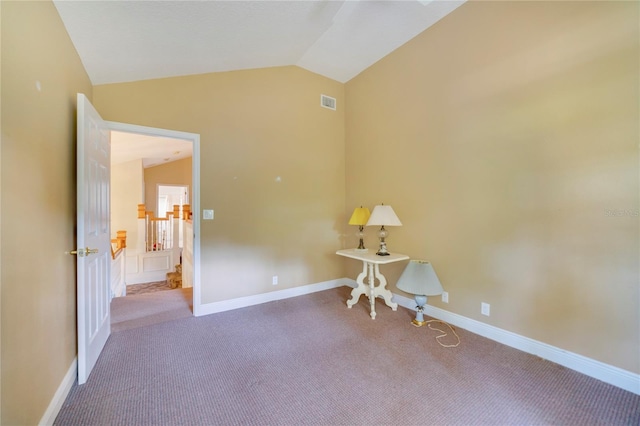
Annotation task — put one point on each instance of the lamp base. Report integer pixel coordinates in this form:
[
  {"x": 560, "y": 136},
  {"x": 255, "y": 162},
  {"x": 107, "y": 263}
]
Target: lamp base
[
  {"x": 361, "y": 250},
  {"x": 421, "y": 300},
  {"x": 382, "y": 251}
]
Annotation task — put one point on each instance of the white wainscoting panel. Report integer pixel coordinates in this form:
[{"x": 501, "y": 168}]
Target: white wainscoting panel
[
  {"x": 149, "y": 266},
  {"x": 118, "y": 273},
  {"x": 159, "y": 262},
  {"x": 132, "y": 264}
]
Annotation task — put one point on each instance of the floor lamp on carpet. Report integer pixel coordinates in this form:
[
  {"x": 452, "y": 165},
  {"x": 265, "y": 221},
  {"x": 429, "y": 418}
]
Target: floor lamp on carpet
[{"x": 420, "y": 279}]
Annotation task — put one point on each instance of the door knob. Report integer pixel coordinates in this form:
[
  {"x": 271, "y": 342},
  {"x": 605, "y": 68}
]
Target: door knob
[{"x": 84, "y": 252}]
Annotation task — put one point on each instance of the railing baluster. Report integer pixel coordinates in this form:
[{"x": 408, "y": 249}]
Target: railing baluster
[{"x": 161, "y": 233}]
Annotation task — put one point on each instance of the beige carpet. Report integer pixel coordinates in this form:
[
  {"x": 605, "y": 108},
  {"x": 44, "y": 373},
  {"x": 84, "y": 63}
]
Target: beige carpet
[
  {"x": 146, "y": 309},
  {"x": 310, "y": 360}
]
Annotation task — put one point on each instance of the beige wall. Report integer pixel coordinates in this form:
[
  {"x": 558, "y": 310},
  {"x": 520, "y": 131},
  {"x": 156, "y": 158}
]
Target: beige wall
[
  {"x": 127, "y": 188},
  {"x": 174, "y": 173},
  {"x": 254, "y": 126},
  {"x": 506, "y": 139},
  {"x": 1, "y": 137},
  {"x": 41, "y": 74}
]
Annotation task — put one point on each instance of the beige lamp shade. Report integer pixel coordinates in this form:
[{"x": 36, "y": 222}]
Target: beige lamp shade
[
  {"x": 360, "y": 216},
  {"x": 420, "y": 278},
  {"x": 383, "y": 216}
]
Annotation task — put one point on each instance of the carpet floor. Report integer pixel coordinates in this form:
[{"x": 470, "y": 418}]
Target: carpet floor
[
  {"x": 142, "y": 310},
  {"x": 310, "y": 360},
  {"x": 148, "y": 287}
]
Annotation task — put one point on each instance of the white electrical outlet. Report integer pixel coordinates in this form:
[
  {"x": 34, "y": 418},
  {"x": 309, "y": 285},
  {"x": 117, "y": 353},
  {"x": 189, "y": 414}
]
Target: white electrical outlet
[
  {"x": 274, "y": 280},
  {"x": 485, "y": 309},
  {"x": 207, "y": 214},
  {"x": 445, "y": 297}
]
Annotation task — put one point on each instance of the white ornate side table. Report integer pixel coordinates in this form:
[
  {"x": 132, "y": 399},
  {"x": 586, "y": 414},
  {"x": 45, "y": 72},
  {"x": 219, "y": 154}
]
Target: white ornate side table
[{"x": 371, "y": 266}]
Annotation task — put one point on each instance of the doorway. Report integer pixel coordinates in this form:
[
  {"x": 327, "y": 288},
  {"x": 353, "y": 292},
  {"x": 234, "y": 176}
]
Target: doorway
[
  {"x": 169, "y": 195},
  {"x": 194, "y": 197}
]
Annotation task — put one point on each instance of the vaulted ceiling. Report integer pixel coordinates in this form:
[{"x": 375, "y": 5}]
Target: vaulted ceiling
[
  {"x": 121, "y": 41},
  {"x": 127, "y": 40}
]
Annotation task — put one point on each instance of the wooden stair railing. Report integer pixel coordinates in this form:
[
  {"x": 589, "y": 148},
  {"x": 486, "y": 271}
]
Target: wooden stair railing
[
  {"x": 120, "y": 243},
  {"x": 161, "y": 233}
]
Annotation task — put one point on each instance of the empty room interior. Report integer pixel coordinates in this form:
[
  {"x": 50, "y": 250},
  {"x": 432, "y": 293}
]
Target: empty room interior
[{"x": 503, "y": 138}]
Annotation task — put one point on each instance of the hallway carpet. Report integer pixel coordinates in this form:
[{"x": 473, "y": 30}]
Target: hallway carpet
[
  {"x": 148, "y": 287},
  {"x": 142, "y": 310}
]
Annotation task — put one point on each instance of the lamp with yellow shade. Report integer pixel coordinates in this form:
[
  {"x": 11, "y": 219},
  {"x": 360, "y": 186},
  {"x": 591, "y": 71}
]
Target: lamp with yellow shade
[{"x": 360, "y": 217}]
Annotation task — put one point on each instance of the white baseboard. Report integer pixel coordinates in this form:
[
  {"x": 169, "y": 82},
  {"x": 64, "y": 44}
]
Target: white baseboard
[
  {"x": 61, "y": 394},
  {"x": 243, "y": 302},
  {"x": 598, "y": 370}
]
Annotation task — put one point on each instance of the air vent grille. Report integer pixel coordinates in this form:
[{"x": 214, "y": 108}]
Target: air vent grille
[{"x": 328, "y": 102}]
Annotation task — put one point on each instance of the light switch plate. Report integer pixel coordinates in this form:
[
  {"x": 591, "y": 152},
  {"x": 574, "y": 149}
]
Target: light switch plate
[{"x": 207, "y": 214}]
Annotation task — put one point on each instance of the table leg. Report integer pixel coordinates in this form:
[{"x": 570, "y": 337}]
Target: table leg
[
  {"x": 372, "y": 291},
  {"x": 382, "y": 290},
  {"x": 361, "y": 289}
]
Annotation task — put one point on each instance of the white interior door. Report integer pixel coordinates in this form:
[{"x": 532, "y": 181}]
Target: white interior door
[{"x": 94, "y": 237}]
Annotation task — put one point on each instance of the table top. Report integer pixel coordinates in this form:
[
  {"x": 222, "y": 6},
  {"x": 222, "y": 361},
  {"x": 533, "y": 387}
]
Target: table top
[{"x": 372, "y": 257}]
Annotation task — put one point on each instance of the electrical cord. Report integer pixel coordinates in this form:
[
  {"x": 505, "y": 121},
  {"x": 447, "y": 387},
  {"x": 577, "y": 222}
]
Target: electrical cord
[{"x": 444, "y": 333}]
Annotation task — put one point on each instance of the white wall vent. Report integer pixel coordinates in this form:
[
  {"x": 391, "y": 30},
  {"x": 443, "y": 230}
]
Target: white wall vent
[{"x": 328, "y": 102}]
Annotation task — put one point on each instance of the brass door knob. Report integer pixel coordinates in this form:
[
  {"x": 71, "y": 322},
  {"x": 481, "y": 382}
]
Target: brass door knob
[{"x": 84, "y": 252}]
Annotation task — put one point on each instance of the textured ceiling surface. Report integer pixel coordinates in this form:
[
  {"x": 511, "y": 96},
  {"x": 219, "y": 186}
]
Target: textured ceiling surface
[
  {"x": 120, "y": 41},
  {"x": 126, "y": 40},
  {"x": 152, "y": 150}
]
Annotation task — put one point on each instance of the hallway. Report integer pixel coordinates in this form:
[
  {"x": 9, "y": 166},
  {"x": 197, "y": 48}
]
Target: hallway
[{"x": 141, "y": 310}]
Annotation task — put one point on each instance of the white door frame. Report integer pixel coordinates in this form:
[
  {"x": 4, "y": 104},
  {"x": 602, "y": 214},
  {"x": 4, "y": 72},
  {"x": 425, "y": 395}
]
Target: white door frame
[{"x": 194, "y": 138}]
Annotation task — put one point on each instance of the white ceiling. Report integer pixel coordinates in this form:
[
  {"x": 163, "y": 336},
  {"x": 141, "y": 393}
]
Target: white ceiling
[
  {"x": 152, "y": 150},
  {"x": 124, "y": 40},
  {"x": 120, "y": 41}
]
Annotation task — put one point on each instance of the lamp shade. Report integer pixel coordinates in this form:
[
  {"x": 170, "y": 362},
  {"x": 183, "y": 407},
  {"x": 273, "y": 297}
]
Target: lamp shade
[
  {"x": 360, "y": 216},
  {"x": 384, "y": 216},
  {"x": 420, "y": 278}
]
